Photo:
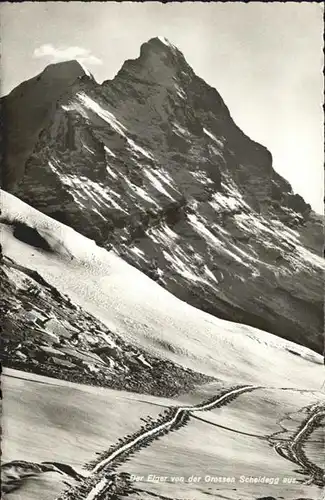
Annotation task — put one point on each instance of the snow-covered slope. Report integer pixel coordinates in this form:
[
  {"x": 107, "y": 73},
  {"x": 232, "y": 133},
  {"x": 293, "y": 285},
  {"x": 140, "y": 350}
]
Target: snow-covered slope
[
  {"x": 152, "y": 165},
  {"x": 145, "y": 314},
  {"x": 47, "y": 420}
]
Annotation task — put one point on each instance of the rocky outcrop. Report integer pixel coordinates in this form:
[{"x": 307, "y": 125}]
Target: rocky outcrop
[
  {"x": 152, "y": 165},
  {"x": 44, "y": 332}
]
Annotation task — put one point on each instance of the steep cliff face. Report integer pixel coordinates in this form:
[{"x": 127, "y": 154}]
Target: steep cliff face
[
  {"x": 152, "y": 165},
  {"x": 26, "y": 111}
]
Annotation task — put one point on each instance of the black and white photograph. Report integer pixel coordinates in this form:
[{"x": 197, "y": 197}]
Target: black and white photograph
[{"x": 162, "y": 265}]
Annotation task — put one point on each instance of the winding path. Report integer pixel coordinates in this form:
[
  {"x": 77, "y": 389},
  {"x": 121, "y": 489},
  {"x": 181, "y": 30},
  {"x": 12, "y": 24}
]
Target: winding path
[
  {"x": 293, "y": 448},
  {"x": 102, "y": 483},
  {"x": 99, "y": 481}
]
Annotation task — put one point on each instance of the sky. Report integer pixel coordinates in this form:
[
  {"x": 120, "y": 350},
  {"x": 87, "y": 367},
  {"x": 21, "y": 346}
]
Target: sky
[{"x": 265, "y": 59}]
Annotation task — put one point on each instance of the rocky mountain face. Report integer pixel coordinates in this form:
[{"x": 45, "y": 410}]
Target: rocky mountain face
[
  {"x": 152, "y": 165},
  {"x": 26, "y": 112}
]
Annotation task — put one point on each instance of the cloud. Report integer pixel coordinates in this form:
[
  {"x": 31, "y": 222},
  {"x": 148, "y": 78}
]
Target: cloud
[{"x": 57, "y": 54}]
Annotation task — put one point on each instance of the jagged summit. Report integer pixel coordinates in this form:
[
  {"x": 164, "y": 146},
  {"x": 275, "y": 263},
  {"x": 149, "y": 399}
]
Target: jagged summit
[
  {"x": 160, "y": 43},
  {"x": 152, "y": 164},
  {"x": 150, "y": 169},
  {"x": 165, "y": 41},
  {"x": 159, "y": 61},
  {"x": 161, "y": 46}
]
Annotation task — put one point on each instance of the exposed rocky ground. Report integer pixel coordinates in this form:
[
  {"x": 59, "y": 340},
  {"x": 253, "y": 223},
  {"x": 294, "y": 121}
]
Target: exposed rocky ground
[
  {"x": 152, "y": 165},
  {"x": 136, "y": 308},
  {"x": 43, "y": 332}
]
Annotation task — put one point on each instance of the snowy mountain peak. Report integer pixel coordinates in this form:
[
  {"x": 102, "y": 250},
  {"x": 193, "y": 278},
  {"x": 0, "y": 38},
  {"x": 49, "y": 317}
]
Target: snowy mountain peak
[
  {"x": 164, "y": 40},
  {"x": 162, "y": 47},
  {"x": 152, "y": 165},
  {"x": 159, "y": 61},
  {"x": 161, "y": 43}
]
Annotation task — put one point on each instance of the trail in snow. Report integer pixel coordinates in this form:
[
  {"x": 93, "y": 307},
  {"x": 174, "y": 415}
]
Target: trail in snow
[
  {"x": 293, "y": 448},
  {"x": 99, "y": 477}
]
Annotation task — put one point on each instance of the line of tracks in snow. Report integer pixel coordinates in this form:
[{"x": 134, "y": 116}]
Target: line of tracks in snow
[
  {"x": 100, "y": 484},
  {"x": 293, "y": 449},
  {"x": 103, "y": 483}
]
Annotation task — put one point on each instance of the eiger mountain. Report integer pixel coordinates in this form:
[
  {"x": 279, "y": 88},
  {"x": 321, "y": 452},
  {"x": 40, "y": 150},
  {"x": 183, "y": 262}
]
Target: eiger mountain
[
  {"x": 151, "y": 165},
  {"x": 161, "y": 292}
]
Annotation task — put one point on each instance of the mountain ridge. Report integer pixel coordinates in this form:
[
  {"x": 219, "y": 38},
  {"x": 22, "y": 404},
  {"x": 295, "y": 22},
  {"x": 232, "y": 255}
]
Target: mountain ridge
[
  {"x": 152, "y": 165},
  {"x": 25, "y": 113}
]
